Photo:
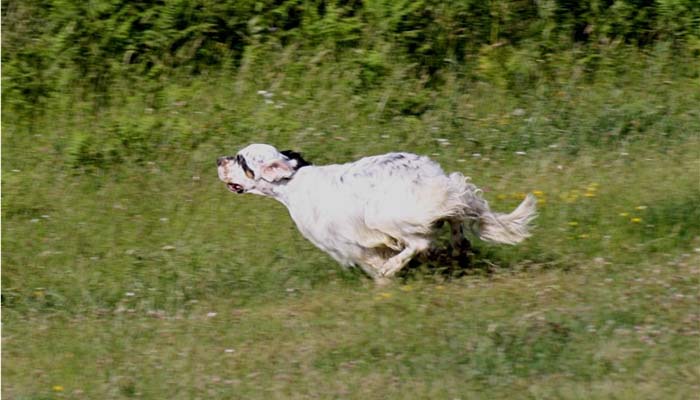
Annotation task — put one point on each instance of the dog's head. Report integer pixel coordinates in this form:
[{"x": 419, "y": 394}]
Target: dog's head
[{"x": 258, "y": 168}]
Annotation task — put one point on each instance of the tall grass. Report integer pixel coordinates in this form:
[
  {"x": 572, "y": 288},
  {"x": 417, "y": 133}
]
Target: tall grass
[
  {"x": 129, "y": 271},
  {"x": 122, "y": 253}
]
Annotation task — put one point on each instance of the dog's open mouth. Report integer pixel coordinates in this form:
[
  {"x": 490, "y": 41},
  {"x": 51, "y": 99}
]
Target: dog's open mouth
[{"x": 234, "y": 187}]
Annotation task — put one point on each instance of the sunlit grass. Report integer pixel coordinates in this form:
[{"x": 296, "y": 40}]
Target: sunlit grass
[{"x": 131, "y": 272}]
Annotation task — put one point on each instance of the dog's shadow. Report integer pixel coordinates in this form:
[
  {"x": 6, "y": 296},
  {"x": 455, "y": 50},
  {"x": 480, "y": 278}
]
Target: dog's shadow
[{"x": 447, "y": 262}]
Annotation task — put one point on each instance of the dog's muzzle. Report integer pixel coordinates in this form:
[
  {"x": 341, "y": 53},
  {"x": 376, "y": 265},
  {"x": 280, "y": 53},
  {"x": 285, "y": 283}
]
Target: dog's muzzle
[{"x": 222, "y": 160}]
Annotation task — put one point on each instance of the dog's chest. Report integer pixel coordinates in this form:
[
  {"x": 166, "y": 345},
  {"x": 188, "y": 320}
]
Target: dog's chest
[{"x": 326, "y": 218}]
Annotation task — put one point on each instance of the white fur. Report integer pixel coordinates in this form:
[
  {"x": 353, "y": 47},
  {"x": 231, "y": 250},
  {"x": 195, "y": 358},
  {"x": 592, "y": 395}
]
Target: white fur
[{"x": 377, "y": 212}]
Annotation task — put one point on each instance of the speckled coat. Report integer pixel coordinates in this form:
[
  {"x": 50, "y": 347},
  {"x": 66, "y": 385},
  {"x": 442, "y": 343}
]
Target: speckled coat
[{"x": 375, "y": 213}]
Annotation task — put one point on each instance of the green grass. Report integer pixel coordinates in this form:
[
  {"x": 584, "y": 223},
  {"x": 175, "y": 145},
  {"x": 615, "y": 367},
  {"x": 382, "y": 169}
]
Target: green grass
[
  {"x": 625, "y": 332},
  {"x": 129, "y": 270}
]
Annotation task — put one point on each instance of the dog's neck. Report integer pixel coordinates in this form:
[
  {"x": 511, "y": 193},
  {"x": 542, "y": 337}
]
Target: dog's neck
[{"x": 278, "y": 190}]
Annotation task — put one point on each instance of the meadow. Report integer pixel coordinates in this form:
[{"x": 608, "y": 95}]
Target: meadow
[{"x": 129, "y": 271}]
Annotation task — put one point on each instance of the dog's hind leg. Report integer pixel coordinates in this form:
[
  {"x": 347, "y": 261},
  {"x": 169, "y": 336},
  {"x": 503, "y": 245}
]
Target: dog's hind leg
[
  {"x": 414, "y": 246},
  {"x": 460, "y": 244}
]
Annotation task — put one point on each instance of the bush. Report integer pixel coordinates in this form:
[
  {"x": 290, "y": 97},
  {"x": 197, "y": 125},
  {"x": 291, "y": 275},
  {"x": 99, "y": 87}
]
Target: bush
[{"x": 59, "y": 45}]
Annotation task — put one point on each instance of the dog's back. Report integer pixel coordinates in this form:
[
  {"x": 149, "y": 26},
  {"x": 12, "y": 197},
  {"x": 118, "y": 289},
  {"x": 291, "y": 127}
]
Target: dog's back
[
  {"x": 386, "y": 167},
  {"x": 376, "y": 212}
]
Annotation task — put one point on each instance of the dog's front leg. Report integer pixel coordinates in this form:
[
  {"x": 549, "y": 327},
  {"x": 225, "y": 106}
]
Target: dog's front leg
[
  {"x": 396, "y": 263},
  {"x": 371, "y": 264}
]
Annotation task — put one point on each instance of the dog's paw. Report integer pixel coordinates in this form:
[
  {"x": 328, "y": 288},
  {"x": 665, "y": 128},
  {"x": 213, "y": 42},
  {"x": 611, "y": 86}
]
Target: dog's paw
[{"x": 382, "y": 281}]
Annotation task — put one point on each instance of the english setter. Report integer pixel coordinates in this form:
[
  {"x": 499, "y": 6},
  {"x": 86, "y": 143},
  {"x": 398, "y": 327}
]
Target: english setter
[{"x": 376, "y": 213}]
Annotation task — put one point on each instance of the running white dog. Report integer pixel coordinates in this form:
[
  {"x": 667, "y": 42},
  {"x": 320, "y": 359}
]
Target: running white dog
[{"x": 376, "y": 213}]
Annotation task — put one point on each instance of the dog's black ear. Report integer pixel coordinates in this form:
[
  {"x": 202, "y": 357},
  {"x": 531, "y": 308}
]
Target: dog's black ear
[
  {"x": 242, "y": 162},
  {"x": 293, "y": 155}
]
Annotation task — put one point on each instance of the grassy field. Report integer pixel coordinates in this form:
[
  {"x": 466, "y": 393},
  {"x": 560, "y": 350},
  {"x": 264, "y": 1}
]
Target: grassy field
[{"x": 129, "y": 271}]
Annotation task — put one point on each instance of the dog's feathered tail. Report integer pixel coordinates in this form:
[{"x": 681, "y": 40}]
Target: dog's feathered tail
[
  {"x": 492, "y": 226},
  {"x": 510, "y": 228}
]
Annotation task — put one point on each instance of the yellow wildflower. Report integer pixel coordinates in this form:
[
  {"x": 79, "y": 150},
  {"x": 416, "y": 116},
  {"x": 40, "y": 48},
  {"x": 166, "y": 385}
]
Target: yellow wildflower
[
  {"x": 538, "y": 193},
  {"x": 573, "y": 223},
  {"x": 571, "y": 197},
  {"x": 58, "y": 388},
  {"x": 636, "y": 220},
  {"x": 383, "y": 295},
  {"x": 589, "y": 194},
  {"x": 624, "y": 214}
]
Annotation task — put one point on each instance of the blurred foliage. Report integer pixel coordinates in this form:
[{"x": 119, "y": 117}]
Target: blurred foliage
[
  {"x": 121, "y": 64},
  {"x": 115, "y": 222},
  {"x": 69, "y": 44}
]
